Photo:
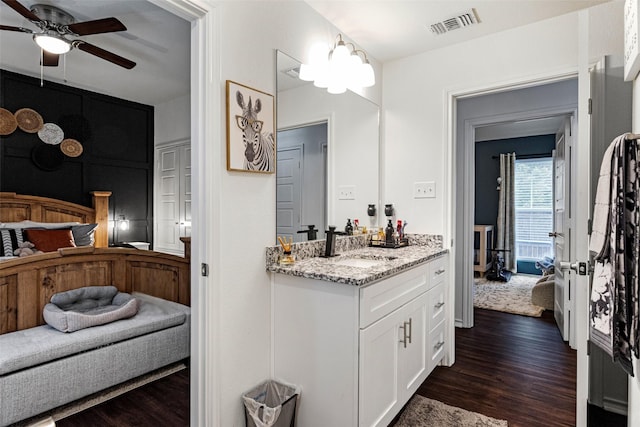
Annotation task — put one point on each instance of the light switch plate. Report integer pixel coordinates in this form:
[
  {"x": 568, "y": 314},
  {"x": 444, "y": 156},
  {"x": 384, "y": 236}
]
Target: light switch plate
[
  {"x": 347, "y": 192},
  {"x": 424, "y": 190}
]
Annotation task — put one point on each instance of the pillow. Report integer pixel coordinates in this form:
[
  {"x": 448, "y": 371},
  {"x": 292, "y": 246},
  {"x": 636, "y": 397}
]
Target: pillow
[
  {"x": 48, "y": 225},
  {"x": 89, "y": 306},
  {"x": 83, "y": 234},
  {"x": 49, "y": 240},
  {"x": 10, "y": 239}
]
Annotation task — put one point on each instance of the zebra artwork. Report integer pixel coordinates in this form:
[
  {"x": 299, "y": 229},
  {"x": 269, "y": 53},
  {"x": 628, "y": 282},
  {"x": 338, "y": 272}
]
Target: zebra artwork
[{"x": 259, "y": 146}]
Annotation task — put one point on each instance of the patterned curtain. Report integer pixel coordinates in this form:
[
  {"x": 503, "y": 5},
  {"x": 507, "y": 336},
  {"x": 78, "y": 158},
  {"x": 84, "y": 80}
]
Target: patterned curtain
[{"x": 506, "y": 211}]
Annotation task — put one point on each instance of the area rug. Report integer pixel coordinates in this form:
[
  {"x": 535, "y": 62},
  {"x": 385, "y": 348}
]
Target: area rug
[
  {"x": 513, "y": 296},
  {"x": 423, "y": 412}
]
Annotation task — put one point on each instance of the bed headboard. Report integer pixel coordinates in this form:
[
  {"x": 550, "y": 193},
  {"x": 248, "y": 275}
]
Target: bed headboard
[{"x": 16, "y": 207}]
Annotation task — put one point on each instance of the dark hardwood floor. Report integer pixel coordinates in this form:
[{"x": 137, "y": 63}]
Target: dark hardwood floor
[
  {"x": 510, "y": 367},
  {"x": 164, "y": 402}
]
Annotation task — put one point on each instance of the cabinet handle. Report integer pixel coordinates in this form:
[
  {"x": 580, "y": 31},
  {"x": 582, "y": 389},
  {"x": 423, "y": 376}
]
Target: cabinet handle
[
  {"x": 406, "y": 333},
  {"x": 438, "y": 305},
  {"x": 440, "y": 271},
  {"x": 410, "y": 329},
  {"x": 438, "y": 346}
]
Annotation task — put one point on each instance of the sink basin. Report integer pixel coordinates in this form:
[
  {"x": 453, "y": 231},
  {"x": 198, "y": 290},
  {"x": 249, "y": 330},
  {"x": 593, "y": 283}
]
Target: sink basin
[{"x": 359, "y": 262}]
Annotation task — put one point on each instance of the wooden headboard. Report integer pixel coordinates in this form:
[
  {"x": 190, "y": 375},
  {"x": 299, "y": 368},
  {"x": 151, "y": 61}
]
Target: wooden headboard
[{"x": 16, "y": 207}]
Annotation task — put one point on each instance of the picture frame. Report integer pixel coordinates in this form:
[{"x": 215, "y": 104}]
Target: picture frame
[{"x": 251, "y": 136}]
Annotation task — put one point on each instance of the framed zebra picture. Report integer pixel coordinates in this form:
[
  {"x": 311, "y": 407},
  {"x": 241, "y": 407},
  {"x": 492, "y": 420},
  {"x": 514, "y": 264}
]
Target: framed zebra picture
[{"x": 251, "y": 143}]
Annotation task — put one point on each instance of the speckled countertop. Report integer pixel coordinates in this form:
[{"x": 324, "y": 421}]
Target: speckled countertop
[{"x": 354, "y": 265}]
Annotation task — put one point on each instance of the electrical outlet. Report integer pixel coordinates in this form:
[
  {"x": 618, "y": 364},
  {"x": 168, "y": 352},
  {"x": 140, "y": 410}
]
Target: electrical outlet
[
  {"x": 347, "y": 192},
  {"x": 423, "y": 190}
]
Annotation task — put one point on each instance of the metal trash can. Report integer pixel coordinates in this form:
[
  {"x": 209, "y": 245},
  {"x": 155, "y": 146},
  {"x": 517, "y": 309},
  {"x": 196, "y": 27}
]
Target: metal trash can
[{"x": 271, "y": 404}]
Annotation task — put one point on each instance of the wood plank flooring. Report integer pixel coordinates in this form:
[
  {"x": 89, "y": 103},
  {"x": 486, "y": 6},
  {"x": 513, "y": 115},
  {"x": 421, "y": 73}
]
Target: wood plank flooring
[
  {"x": 164, "y": 402},
  {"x": 510, "y": 367}
]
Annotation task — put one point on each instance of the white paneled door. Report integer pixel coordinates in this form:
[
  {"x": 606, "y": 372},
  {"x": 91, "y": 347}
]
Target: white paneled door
[
  {"x": 562, "y": 229},
  {"x": 289, "y": 197},
  {"x": 173, "y": 197}
]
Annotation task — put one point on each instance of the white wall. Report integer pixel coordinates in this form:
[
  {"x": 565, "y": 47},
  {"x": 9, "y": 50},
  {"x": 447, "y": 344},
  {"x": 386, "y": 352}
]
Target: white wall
[
  {"x": 172, "y": 120},
  {"x": 415, "y": 100},
  {"x": 249, "y": 34}
]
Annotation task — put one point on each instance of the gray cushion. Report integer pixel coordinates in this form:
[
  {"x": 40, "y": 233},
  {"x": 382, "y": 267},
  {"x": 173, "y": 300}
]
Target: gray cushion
[
  {"x": 41, "y": 344},
  {"x": 89, "y": 306},
  {"x": 83, "y": 234}
]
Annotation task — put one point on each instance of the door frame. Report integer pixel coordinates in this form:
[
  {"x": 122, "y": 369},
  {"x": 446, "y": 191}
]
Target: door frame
[
  {"x": 205, "y": 93},
  {"x": 461, "y": 247}
]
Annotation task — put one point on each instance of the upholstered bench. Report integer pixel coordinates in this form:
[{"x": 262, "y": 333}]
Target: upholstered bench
[{"x": 42, "y": 368}]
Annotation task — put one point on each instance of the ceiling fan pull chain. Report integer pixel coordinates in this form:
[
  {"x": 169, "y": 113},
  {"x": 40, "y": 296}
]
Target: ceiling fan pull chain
[
  {"x": 41, "y": 67},
  {"x": 64, "y": 68}
]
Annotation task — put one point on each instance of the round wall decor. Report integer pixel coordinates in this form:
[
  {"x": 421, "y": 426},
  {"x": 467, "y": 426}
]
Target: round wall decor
[
  {"x": 47, "y": 157},
  {"x": 8, "y": 122},
  {"x": 29, "y": 120},
  {"x": 51, "y": 134},
  {"x": 70, "y": 147}
]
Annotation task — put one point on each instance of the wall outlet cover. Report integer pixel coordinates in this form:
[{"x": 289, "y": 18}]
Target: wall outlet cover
[
  {"x": 424, "y": 190},
  {"x": 346, "y": 192}
]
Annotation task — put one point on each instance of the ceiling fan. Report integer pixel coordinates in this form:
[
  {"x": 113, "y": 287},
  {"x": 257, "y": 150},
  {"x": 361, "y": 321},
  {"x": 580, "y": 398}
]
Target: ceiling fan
[{"x": 55, "y": 26}]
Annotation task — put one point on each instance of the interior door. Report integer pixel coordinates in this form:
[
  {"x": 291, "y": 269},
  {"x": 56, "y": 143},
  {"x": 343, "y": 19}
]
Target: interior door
[
  {"x": 562, "y": 229},
  {"x": 288, "y": 193}
]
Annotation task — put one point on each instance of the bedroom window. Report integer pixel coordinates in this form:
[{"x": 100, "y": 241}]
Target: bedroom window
[{"x": 534, "y": 208}]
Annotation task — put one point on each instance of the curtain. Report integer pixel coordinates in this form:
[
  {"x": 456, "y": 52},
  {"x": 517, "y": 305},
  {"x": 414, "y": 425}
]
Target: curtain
[{"x": 506, "y": 211}]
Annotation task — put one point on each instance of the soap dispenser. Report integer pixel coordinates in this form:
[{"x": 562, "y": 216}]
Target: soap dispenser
[{"x": 348, "y": 229}]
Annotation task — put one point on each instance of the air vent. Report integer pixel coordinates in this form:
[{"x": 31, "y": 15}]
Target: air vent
[
  {"x": 460, "y": 21},
  {"x": 294, "y": 72}
]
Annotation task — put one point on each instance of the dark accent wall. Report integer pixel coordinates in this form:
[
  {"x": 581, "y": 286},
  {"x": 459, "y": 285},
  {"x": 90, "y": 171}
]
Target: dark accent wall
[
  {"x": 488, "y": 170},
  {"x": 117, "y": 139}
]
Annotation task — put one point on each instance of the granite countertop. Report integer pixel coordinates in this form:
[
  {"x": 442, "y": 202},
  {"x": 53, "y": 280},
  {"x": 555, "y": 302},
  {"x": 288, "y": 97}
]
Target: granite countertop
[{"x": 361, "y": 266}]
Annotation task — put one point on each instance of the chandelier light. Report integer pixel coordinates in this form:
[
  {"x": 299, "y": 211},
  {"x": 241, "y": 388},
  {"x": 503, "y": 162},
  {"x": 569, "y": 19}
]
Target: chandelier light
[{"x": 339, "y": 68}]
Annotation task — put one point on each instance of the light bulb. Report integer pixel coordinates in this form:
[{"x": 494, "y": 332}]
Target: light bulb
[
  {"x": 367, "y": 76},
  {"x": 307, "y": 72},
  {"x": 52, "y": 43}
]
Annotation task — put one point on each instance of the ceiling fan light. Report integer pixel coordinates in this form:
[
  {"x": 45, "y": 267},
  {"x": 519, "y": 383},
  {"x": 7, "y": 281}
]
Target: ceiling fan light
[{"x": 52, "y": 43}]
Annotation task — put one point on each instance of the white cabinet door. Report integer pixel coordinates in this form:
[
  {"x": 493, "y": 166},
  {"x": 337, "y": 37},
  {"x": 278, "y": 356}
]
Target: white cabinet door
[
  {"x": 393, "y": 362},
  {"x": 379, "y": 351},
  {"x": 414, "y": 352}
]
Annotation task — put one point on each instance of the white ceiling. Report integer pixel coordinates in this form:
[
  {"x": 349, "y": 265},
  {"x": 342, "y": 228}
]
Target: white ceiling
[
  {"x": 391, "y": 29},
  {"x": 159, "y": 41}
]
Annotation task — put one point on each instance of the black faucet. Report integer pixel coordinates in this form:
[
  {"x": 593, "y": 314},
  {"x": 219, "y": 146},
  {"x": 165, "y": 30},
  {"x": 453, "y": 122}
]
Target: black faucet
[
  {"x": 312, "y": 232},
  {"x": 330, "y": 248}
]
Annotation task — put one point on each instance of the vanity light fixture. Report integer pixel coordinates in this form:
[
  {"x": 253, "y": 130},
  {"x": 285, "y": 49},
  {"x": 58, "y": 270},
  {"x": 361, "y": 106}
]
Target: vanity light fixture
[{"x": 339, "y": 68}]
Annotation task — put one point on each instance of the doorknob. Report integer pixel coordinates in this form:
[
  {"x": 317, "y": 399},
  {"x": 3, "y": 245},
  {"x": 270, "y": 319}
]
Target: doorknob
[{"x": 565, "y": 265}]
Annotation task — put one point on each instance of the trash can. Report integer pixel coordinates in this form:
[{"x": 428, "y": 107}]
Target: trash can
[{"x": 271, "y": 404}]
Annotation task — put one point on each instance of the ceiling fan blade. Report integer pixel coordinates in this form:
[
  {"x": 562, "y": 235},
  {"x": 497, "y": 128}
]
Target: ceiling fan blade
[
  {"x": 99, "y": 26},
  {"x": 50, "y": 59},
  {"x": 104, "y": 54},
  {"x": 19, "y": 29},
  {"x": 13, "y": 4}
]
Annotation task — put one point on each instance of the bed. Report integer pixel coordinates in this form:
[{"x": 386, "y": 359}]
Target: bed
[{"x": 161, "y": 282}]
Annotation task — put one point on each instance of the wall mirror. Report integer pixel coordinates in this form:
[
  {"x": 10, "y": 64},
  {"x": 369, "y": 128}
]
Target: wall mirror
[{"x": 328, "y": 155}]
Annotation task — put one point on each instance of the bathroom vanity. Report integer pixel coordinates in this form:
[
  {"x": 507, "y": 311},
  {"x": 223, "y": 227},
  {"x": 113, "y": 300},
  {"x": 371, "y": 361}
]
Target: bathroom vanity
[{"x": 359, "y": 333}]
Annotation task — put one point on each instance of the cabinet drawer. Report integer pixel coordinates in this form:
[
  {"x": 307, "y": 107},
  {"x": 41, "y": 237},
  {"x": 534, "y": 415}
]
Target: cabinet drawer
[
  {"x": 437, "y": 345},
  {"x": 438, "y": 270},
  {"x": 436, "y": 305},
  {"x": 380, "y": 299}
]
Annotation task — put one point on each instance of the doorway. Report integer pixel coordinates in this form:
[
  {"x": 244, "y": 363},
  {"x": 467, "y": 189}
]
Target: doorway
[{"x": 301, "y": 181}]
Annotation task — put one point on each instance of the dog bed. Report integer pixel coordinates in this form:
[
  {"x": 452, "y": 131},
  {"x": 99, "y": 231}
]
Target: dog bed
[{"x": 89, "y": 306}]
